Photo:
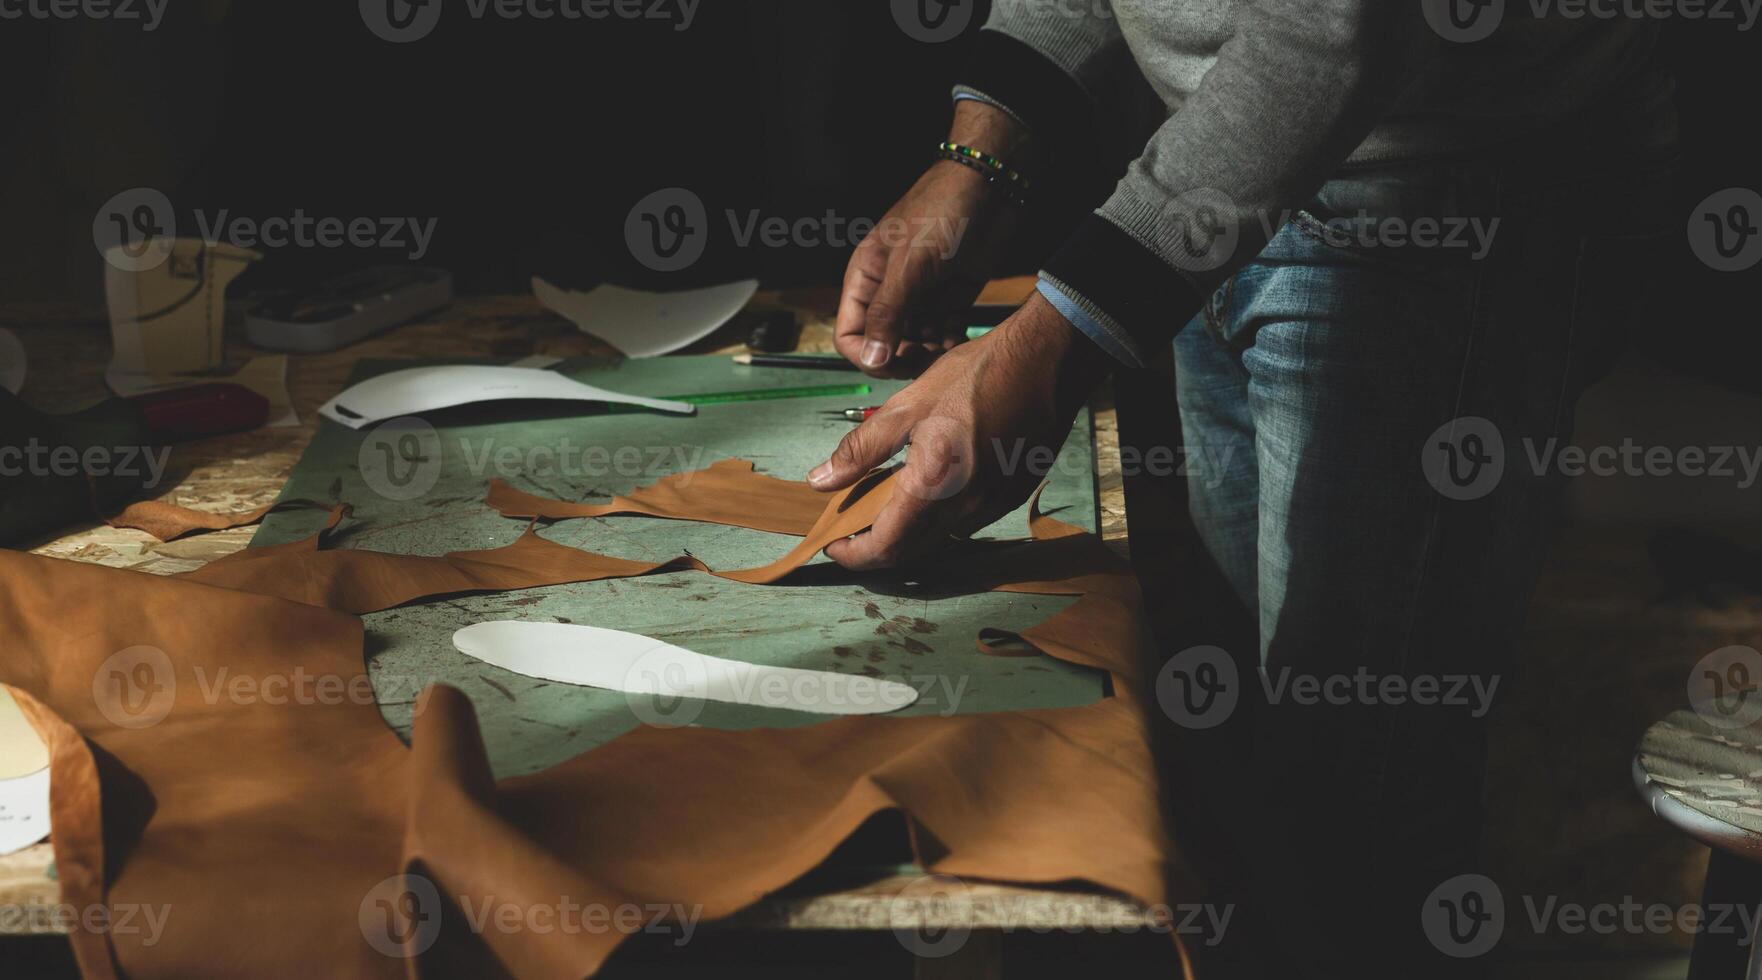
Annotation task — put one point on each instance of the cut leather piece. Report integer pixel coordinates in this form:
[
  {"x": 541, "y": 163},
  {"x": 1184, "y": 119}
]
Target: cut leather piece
[
  {"x": 849, "y": 511},
  {"x": 76, "y": 819},
  {"x": 1096, "y": 631},
  {"x": 168, "y": 522},
  {"x": 1029, "y": 797},
  {"x": 357, "y": 581},
  {"x": 1047, "y": 566},
  {"x": 233, "y": 806},
  {"x": 367, "y": 581},
  {"x": 994, "y": 642},
  {"x": 274, "y": 852},
  {"x": 726, "y": 492},
  {"x": 1061, "y": 559}
]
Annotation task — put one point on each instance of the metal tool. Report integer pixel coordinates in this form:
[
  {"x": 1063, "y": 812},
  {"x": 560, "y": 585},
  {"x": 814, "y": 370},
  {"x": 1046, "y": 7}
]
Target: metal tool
[{"x": 853, "y": 414}]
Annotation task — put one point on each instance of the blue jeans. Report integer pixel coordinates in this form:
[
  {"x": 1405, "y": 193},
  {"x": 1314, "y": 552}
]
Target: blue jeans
[{"x": 1355, "y": 400}]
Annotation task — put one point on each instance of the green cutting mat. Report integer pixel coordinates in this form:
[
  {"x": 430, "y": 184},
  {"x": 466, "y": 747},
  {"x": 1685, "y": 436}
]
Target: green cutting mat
[{"x": 826, "y": 619}]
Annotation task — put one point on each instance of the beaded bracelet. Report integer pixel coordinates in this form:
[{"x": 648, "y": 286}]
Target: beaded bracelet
[
  {"x": 993, "y": 178},
  {"x": 1005, "y": 181},
  {"x": 990, "y": 162}
]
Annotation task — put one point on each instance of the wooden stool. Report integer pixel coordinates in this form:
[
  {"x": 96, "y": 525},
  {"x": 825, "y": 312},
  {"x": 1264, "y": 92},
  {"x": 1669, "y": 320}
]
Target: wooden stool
[{"x": 1706, "y": 780}]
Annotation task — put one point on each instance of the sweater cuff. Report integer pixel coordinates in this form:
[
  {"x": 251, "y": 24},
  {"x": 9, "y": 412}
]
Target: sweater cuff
[
  {"x": 1028, "y": 85},
  {"x": 1138, "y": 300},
  {"x": 1090, "y": 322},
  {"x": 963, "y": 92}
]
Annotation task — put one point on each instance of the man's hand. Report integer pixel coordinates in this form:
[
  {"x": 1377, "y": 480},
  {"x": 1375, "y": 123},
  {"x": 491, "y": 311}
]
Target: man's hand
[
  {"x": 911, "y": 280},
  {"x": 983, "y": 423}
]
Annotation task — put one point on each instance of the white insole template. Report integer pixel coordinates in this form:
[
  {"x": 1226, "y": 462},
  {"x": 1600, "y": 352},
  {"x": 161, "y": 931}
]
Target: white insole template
[
  {"x": 426, "y": 389},
  {"x": 634, "y": 664},
  {"x": 644, "y": 324},
  {"x": 24, "y": 811}
]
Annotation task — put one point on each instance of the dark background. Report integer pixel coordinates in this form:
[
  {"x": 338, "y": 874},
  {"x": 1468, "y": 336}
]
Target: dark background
[{"x": 529, "y": 141}]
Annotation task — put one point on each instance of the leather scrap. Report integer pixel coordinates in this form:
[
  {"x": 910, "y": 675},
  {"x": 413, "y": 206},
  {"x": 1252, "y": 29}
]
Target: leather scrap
[
  {"x": 168, "y": 522},
  {"x": 726, "y": 492},
  {"x": 271, "y": 829},
  {"x": 361, "y": 581}
]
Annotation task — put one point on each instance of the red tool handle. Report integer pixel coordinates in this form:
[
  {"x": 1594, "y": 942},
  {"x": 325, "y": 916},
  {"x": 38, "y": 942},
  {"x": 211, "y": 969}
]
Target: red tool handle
[{"x": 199, "y": 411}]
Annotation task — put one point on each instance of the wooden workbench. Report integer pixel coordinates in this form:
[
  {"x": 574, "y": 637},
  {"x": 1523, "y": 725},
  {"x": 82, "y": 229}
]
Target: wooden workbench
[{"x": 68, "y": 350}]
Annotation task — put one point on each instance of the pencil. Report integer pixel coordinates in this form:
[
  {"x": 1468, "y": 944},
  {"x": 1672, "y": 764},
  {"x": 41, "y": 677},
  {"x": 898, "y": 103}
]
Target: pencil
[{"x": 795, "y": 361}]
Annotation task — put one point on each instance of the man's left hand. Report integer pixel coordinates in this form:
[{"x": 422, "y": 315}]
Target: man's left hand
[{"x": 983, "y": 422}]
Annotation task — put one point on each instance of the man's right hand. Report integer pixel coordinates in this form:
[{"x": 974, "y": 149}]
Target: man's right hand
[{"x": 910, "y": 283}]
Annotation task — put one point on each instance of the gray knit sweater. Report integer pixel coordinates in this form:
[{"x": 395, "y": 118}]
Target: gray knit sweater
[{"x": 1266, "y": 100}]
